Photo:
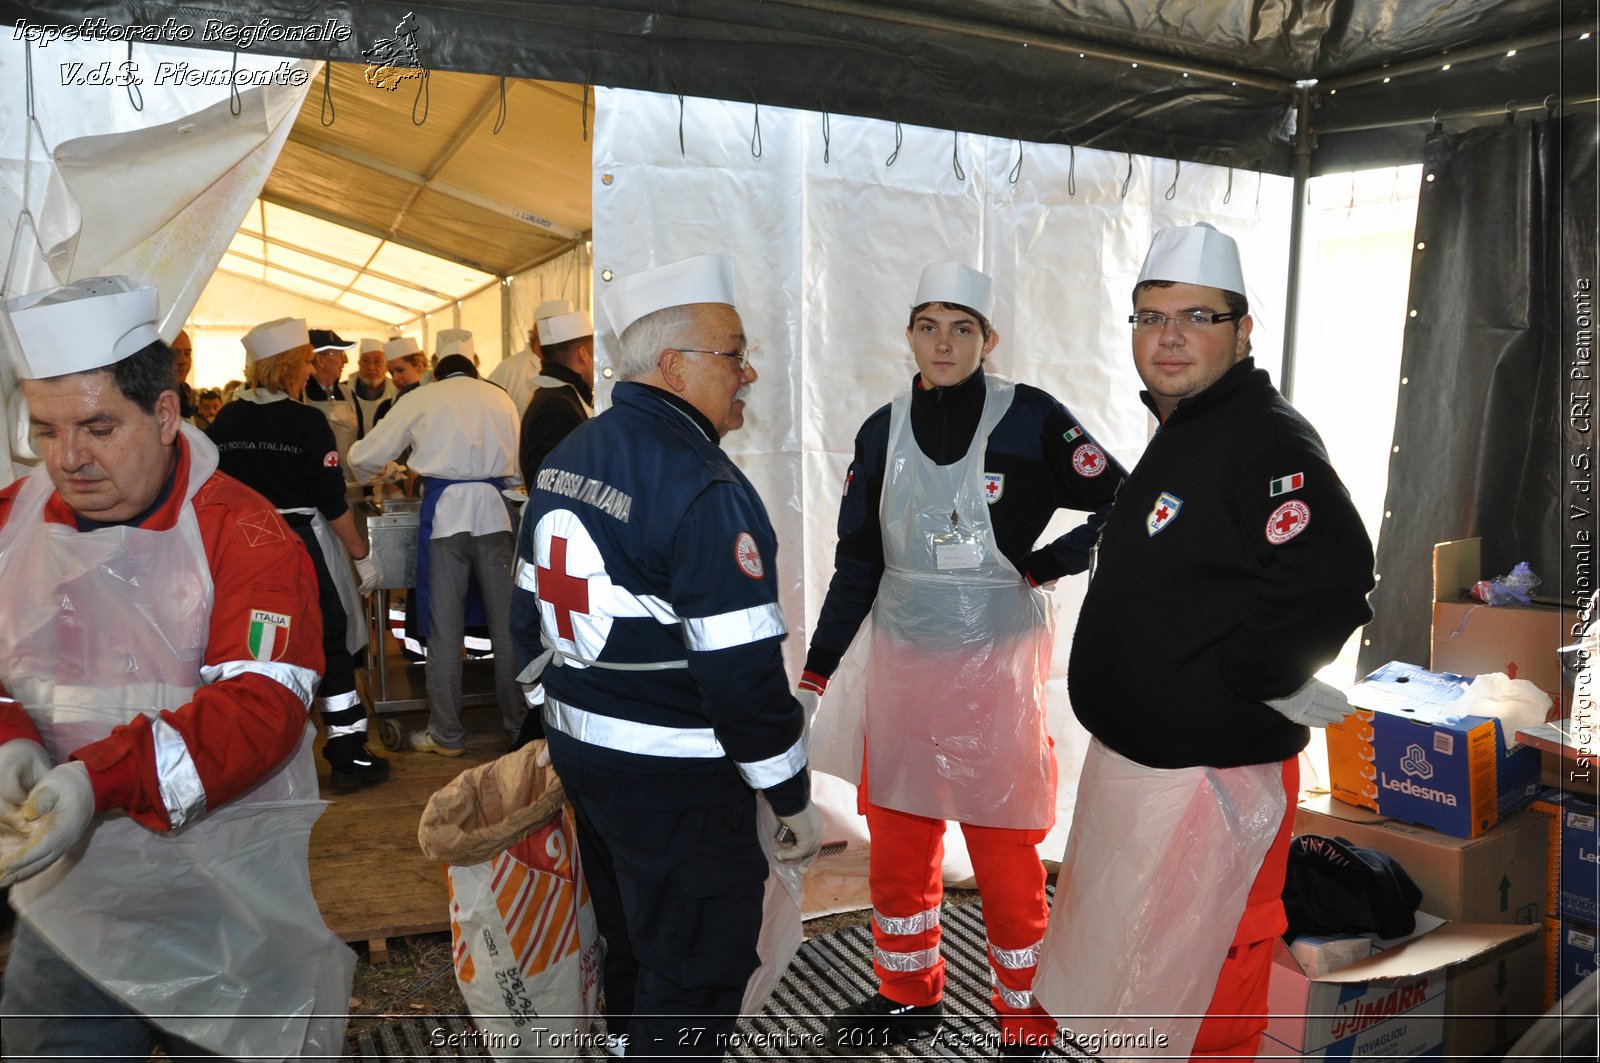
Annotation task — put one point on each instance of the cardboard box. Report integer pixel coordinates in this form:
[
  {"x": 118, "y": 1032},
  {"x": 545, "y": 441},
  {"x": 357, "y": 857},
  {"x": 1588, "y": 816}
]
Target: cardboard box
[
  {"x": 1574, "y": 951},
  {"x": 1497, "y": 877},
  {"x": 1573, "y": 856},
  {"x": 1471, "y": 638},
  {"x": 1490, "y": 1004},
  {"x": 1391, "y": 1005},
  {"x": 1406, "y": 755}
]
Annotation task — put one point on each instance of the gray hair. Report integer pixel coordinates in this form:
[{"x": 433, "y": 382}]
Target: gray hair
[{"x": 643, "y": 341}]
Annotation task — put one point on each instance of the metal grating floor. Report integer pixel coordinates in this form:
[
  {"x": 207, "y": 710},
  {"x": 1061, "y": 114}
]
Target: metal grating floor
[{"x": 827, "y": 974}]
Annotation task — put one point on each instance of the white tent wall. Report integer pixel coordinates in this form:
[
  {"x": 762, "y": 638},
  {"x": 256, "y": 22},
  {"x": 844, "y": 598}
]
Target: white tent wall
[
  {"x": 148, "y": 180},
  {"x": 826, "y": 257},
  {"x": 480, "y": 313},
  {"x": 566, "y": 276},
  {"x": 232, "y": 305}
]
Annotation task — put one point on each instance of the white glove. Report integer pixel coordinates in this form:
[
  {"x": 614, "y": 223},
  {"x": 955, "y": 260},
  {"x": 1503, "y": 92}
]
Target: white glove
[
  {"x": 1315, "y": 705},
  {"x": 804, "y": 835},
  {"x": 22, "y": 763},
  {"x": 809, "y": 701},
  {"x": 366, "y": 572},
  {"x": 55, "y": 815}
]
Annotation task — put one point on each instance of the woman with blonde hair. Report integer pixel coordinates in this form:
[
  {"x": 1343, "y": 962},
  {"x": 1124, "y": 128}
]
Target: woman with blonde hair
[{"x": 284, "y": 449}]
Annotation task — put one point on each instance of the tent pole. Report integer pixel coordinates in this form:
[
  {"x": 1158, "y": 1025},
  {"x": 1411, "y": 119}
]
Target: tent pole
[
  {"x": 506, "y": 350},
  {"x": 1303, "y": 144}
]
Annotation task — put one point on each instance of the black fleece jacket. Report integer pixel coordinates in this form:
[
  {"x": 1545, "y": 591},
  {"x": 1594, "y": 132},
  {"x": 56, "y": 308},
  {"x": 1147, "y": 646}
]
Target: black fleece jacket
[{"x": 1233, "y": 566}]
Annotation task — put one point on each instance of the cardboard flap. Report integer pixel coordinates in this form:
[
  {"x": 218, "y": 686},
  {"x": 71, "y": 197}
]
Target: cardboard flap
[
  {"x": 1452, "y": 943},
  {"x": 1456, "y": 567}
]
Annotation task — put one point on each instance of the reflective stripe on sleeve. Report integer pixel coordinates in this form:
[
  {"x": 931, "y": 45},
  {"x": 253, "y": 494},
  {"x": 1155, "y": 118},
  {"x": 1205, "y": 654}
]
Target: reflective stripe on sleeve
[
  {"x": 920, "y": 960},
  {"x": 906, "y": 924},
  {"x": 761, "y": 774},
  {"x": 300, "y": 682},
  {"x": 629, "y": 736},
  {"x": 182, "y": 792},
  {"x": 738, "y": 628}
]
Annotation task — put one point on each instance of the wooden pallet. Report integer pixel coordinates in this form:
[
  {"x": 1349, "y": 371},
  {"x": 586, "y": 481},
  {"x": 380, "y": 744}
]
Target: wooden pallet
[{"x": 371, "y": 881}]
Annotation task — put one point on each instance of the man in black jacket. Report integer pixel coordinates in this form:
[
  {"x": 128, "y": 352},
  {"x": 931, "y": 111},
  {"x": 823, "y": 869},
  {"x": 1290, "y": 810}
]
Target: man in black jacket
[
  {"x": 564, "y": 395},
  {"x": 1233, "y": 567}
]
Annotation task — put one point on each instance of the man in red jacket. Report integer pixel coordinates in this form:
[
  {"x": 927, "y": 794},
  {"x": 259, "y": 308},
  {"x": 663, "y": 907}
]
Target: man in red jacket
[{"x": 159, "y": 651}]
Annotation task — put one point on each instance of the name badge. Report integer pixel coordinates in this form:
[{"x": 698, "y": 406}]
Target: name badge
[{"x": 948, "y": 556}]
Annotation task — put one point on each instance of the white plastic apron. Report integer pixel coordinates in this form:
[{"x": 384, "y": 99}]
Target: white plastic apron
[
  {"x": 344, "y": 580},
  {"x": 341, "y": 417},
  {"x": 1152, "y": 887},
  {"x": 211, "y": 929},
  {"x": 960, "y": 646}
]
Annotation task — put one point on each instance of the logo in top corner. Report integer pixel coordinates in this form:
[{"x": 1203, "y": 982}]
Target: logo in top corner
[
  {"x": 747, "y": 556},
  {"x": 392, "y": 60}
]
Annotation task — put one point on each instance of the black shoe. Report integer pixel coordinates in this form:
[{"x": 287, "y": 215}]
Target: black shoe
[
  {"x": 363, "y": 769},
  {"x": 879, "y": 1022}
]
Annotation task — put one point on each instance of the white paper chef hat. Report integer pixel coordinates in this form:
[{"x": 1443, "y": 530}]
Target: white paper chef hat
[
  {"x": 552, "y": 308},
  {"x": 564, "y": 327},
  {"x": 951, "y": 282},
  {"x": 455, "y": 341},
  {"x": 275, "y": 337},
  {"x": 702, "y": 279},
  {"x": 370, "y": 344},
  {"x": 88, "y": 324},
  {"x": 399, "y": 347},
  {"x": 1194, "y": 254}
]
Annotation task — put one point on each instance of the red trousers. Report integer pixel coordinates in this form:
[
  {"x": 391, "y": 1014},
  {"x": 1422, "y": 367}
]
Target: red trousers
[
  {"x": 1238, "y": 1011},
  {"x": 907, "y": 852}
]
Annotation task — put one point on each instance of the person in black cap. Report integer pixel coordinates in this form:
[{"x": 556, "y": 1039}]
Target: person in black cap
[{"x": 325, "y": 391}]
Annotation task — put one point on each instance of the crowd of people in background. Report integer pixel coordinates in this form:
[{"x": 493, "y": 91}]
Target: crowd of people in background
[{"x": 636, "y": 602}]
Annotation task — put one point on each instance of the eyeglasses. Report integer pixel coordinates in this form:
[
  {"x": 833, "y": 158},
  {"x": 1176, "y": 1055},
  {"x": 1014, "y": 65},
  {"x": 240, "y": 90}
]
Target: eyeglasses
[
  {"x": 1150, "y": 321},
  {"x": 743, "y": 354}
]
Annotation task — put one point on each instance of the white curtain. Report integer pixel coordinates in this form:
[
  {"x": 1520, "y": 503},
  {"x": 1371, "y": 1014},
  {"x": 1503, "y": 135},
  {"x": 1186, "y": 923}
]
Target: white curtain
[
  {"x": 829, "y": 228},
  {"x": 150, "y": 180}
]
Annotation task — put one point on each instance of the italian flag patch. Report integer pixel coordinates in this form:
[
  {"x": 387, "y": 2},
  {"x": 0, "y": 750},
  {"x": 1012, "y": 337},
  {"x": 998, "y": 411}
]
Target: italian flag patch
[
  {"x": 269, "y": 635},
  {"x": 1074, "y": 433},
  {"x": 1284, "y": 484}
]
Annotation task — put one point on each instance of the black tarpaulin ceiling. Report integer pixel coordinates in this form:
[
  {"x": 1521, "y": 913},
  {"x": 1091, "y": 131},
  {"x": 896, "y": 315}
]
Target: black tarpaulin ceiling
[{"x": 1195, "y": 80}]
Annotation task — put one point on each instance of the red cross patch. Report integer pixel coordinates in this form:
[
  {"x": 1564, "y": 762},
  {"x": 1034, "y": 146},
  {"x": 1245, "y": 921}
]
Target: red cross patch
[
  {"x": 1287, "y": 521},
  {"x": 747, "y": 556},
  {"x": 566, "y": 593},
  {"x": 330, "y": 460},
  {"x": 1089, "y": 460}
]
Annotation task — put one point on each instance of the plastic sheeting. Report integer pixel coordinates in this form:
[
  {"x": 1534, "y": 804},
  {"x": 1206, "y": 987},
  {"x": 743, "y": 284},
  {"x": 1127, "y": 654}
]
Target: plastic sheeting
[
  {"x": 149, "y": 180},
  {"x": 828, "y": 236},
  {"x": 1498, "y": 349}
]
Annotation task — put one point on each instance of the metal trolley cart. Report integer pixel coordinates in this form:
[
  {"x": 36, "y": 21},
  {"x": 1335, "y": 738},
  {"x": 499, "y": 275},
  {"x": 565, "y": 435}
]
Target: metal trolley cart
[{"x": 394, "y": 684}]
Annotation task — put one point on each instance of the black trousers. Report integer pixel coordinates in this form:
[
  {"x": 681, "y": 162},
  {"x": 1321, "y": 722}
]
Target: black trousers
[{"x": 677, "y": 895}]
